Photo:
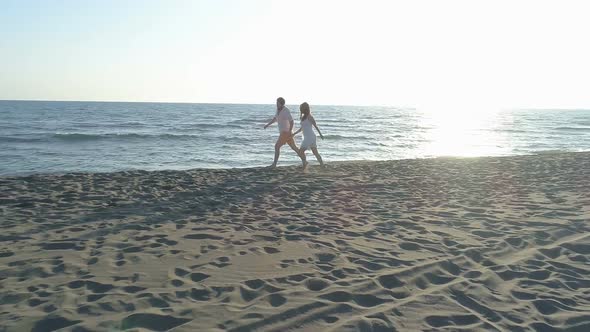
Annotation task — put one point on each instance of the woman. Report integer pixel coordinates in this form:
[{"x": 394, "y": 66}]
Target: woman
[{"x": 309, "y": 138}]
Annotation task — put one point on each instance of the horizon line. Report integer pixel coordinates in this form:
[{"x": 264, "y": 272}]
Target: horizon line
[
  {"x": 190, "y": 102},
  {"x": 237, "y": 103}
]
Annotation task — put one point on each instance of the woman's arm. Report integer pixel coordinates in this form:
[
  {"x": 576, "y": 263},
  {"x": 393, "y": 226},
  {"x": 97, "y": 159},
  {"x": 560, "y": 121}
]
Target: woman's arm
[
  {"x": 297, "y": 132},
  {"x": 316, "y": 126},
  {"x": 271, "y": 122}
]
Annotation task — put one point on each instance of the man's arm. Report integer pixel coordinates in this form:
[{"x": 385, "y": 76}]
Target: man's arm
[
  {"x": 271, "y": 122},
  {"x": 291, "y": 125}
]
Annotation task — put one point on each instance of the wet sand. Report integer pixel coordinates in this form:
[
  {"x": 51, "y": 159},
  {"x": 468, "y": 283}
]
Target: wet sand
[{"x": 489, "y": 244}]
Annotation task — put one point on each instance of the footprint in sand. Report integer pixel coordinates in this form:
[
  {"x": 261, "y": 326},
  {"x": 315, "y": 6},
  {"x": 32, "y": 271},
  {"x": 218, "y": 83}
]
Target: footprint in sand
[
  {"x": 255, "y": 283},
  {"x": 53, "y": 323},
  {"x": 200, "y": 294},
  {"x": 152, "y": 322},
  {"x": 297, "y": 277},
  {"x": 35, "y": 302},
  {"x": 410, "y": 246},
  {"x": 276, "y": 300},
  {"x": 271, "y": 250},
  {"x": 177, "y": 282},
  {"x": 390, "y": 281},
  {"x": 197, "y": 276},
  {"x": 221, "y": 262},
  {"x": 62, "y": 246},
  {"x": 316, "y": 284},
  {"x": 451, "y": 320},
  {"x": 133, "y": 289},
  {"x": 180, "y": 272},
  {"x": 203, "y": 236},
  {"x": 120, "y": 260},
  {"x": 6, "y": 253},
  {"x": 167, "y": 242}
]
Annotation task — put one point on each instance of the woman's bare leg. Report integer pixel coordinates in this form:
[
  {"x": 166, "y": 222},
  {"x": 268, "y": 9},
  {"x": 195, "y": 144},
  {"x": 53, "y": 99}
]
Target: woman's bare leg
[
  {"x": 298, "y": 151},
  {"x": 303, "y": 158},
  {"x": 317, "y": 155}
]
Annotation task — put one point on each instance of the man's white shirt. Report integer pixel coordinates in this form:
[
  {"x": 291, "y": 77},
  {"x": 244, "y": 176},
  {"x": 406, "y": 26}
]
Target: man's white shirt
[{"x": 284, "y": 119}]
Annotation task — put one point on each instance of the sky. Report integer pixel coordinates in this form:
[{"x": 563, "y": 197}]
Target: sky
[{"x": 424, "y": 54}]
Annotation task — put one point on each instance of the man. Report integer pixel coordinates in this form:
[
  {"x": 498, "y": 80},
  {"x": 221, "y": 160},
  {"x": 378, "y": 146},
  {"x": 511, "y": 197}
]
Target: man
[{"x": 285, "y": 121}]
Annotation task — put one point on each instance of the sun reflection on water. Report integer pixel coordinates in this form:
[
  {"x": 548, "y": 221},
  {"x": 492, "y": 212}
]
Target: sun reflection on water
[{"x": 462, "y": 133}]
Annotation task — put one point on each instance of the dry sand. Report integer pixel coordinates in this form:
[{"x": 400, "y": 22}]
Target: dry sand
[{"x": 440, "y": 244}]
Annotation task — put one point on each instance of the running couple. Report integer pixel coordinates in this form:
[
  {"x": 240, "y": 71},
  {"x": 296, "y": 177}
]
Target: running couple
[{"x": 285, "y": 122}]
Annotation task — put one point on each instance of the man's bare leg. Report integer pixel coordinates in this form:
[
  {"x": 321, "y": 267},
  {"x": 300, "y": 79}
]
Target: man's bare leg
[
  {"x": 298, "y": 151},
  {"x": 278, "y": 146}
]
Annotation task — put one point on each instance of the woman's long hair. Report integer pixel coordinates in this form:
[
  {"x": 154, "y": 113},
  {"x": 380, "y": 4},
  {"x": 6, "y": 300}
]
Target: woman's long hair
[{"x": 304, "y": 110}]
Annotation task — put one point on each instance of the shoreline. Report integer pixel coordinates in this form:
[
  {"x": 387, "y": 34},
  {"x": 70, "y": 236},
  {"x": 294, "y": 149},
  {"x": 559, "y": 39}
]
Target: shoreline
[
  {"x": 313, "y": 163},
  {"x": 474, "y": 243}
]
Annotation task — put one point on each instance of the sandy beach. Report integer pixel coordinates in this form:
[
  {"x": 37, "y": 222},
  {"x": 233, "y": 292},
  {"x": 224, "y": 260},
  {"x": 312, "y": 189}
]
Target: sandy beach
[{"x": 488, "y": 244}]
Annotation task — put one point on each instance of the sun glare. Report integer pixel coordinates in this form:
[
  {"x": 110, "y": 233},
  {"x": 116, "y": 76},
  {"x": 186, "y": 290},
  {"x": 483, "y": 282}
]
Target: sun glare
[{"x": 460, "y": 131}]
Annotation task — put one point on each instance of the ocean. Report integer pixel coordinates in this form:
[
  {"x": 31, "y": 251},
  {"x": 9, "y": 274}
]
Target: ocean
[{"x": 60, "y": 137}]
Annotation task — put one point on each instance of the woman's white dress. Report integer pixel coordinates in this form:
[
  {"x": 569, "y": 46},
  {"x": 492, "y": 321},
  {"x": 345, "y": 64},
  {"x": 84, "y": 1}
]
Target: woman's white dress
[{"x": 309, "y": 139}]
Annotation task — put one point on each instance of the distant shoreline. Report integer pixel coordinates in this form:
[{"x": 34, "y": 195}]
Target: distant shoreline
[{"x": 298, "y": 166}]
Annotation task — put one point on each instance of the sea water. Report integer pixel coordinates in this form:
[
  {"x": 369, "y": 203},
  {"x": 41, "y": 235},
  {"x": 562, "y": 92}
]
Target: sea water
[{"x": 58, "y": 137}]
